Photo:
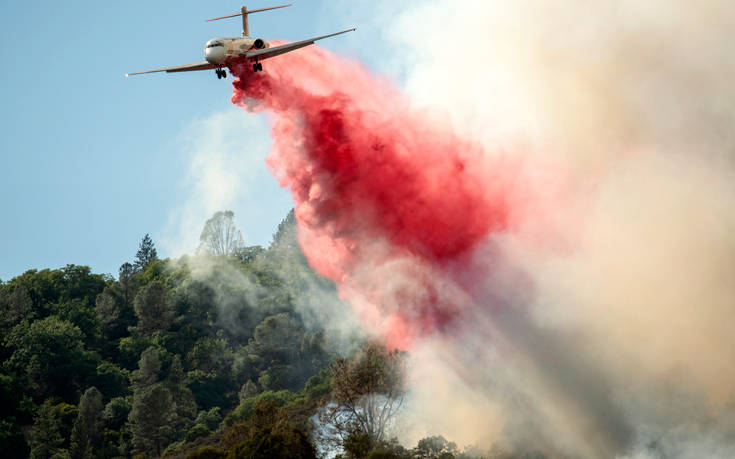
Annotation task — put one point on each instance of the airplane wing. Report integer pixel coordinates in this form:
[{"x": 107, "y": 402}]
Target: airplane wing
[
  {"x": 261, "y": 54},
  {"x": 202, "y": 65}
]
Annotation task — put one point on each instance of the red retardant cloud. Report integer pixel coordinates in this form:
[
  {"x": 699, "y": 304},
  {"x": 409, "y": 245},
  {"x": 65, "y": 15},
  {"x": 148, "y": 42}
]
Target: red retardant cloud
[{"x": 390, "y": 202}]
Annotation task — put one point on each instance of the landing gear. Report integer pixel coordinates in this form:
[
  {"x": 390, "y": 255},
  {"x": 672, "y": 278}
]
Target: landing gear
[
  {"x": 221, "y": 73},
  {"x": 257, "y": 67}
]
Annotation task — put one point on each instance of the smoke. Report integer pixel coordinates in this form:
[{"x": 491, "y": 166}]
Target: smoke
[
  {"x": 552, "y": 239},
  {"x": 221, "y": 177}
]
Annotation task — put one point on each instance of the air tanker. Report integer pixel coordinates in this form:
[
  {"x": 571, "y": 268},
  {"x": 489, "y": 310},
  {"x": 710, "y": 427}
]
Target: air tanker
[{"x": 223, "y": 52}]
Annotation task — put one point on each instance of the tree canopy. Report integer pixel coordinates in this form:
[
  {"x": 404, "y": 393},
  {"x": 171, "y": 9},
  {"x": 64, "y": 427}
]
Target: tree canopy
[
  {"x": 207, "y": 356},
  {"x": 146, "y": 253}
]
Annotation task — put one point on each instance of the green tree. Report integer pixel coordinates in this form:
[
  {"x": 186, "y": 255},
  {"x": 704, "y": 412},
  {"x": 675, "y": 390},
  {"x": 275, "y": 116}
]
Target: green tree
[
  {"x": 268, "y": 433},
  {"x": 85, "y": 435},
  {"x": 436, "y": 447},
  {"x": 46, "y": 441},
  {"x": 220, "y": 236},
  {"x": 78, "y": 282},
  {"x": 197, "y": 431},
  {"x": 152, "y": 410},
  {"x": 277, "y": 339},
  {"x": 50, "y": 353},
  {"x": 16, "y": 410},
  {"x": 247, "y": 390},
  {"x": 146, "y": 253},
  {"x": 211, "y": 355},
  {"x": 285, "y": 236},
  {"x": 15, "y": 305},
  {"x": 129, "y": 349},
  {"x": 126, "y": 278},
  {"x": 275, "y": 441},
  {"x": 211, "y": 378},
  {"x": 82, "y": 315},
  {"x": 184, "y": 406},
  {"x": 116, "y": 412},
  {"x": 154, "y": 308},
  {"x": 210, "y": 419},
  {"x": 107, "y": 308},
  {"x": 148, "y": 370},
  {"x": 47, "y": 288},
  {"x": 111, "y": 379},
  {"x": 150, "y": 419}
]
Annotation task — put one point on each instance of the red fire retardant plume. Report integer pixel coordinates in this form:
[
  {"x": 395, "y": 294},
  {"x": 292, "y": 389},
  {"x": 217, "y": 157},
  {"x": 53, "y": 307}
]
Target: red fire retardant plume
[{"x": 390, "y": 202}]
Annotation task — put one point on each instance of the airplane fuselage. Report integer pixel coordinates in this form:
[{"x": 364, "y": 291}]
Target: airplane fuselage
[{"x": 219, "y": 51}]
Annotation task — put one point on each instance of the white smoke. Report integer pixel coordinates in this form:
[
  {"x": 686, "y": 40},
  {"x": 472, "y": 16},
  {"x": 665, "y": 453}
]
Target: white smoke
[
  {"x": 622, "y": 344},
  {"x": 226, "y": 155}
]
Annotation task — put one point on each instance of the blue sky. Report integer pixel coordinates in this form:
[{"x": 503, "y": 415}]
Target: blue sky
[{"x": 90, "y": 161}]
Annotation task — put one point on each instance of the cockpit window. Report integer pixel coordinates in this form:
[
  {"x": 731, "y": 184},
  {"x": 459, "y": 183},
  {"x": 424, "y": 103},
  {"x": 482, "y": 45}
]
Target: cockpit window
[{"x": 213, "y": 45}]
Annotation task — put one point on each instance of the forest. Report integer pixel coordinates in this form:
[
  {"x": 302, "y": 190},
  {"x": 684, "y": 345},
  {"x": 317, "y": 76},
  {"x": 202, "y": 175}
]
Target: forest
[{"x": 225, "y": 353}]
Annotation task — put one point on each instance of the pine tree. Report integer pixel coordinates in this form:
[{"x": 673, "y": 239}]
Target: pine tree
[
  {"x": 80, "y": 447},
  {"x": 185, "y": 407},
  {"x": 46, "y": 440},
  {"x": 148, "y": 368},
  {"x": 150, "y": 419},
  {"x": 154, "y": 308},
  {"x": 107, "y": 310},
  {"x": 285, "y": 236},
  {"x": 153, "y": 410},
  {"x": 85, "y": 433},
  {"x": 146, "y": 253}
]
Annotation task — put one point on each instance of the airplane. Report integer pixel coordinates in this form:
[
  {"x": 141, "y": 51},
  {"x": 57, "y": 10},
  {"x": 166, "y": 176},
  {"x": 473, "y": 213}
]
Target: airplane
[{"x": 222, "y": 52}]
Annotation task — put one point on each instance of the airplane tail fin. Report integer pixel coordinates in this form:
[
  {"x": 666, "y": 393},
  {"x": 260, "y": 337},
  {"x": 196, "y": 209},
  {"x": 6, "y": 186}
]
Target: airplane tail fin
[{"x": 244, "y": 12}]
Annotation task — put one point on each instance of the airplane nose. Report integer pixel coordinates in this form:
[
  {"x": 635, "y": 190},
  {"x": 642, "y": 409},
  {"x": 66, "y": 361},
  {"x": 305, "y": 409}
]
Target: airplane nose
[{"x": 214, "y": 55}]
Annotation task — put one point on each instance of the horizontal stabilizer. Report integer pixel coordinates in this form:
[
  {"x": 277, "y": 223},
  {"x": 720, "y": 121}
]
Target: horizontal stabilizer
[
  {"x": 245, "y": 12},
  {"x": 249, "y": 12}
]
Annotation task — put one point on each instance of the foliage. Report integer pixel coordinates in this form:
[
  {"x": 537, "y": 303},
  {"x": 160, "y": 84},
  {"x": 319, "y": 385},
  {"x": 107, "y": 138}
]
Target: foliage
[
  {"x": 85, "y": 435},
  {"x": 436, "y": 447},
  {"x": 247, "y": 406},
  {"x": 116, "y": 412},
  {"x": 269, "y": 433},
  {"x": 110, "y": 379},
  {"x": 150, "y": 419},
  {"x": 46, "y": 441},
  {"x": 368, "y": 392},
  {"x": 15, "y": 304},
  {"x": 210, "y": 419},
  {"x": 146, "y": 253},
  {"x": 154, "y": 308},
  {"x": 275, "y": 441},
  {"x": 196, "y": 431},
  {"x": 211, "y": 349},
  {"x": 50, "y": 354},
  {"x": 16, "y": 410},
  {"x": 184, "y": 406},
  {"x": 207, "y": 452}
]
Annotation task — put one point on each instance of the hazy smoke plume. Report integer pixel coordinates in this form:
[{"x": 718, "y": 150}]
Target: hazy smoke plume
[{"x": 554, "y": 243}]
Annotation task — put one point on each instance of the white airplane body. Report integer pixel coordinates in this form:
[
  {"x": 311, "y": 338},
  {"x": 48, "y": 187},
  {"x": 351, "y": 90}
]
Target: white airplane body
[{"x": 225, "y": 51}]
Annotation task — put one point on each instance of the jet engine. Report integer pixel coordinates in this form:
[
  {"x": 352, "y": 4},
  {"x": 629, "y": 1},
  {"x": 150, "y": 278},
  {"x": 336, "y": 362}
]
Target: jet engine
[{"x": 259, "y": 43}]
